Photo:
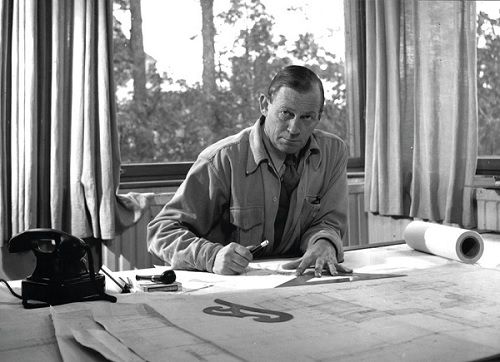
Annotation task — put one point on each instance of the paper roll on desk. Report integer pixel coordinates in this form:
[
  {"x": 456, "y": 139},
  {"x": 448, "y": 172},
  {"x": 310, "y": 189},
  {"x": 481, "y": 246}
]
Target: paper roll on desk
[{"x": 449, "y": 242}]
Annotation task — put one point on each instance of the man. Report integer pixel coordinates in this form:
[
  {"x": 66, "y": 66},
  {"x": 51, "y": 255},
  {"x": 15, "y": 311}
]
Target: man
[{"x": 279, "y": 180}]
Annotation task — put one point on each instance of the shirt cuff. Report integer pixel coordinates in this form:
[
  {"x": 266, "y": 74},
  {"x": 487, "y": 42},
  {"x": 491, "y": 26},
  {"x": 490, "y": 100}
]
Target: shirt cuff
[{"x": 210, "y": 257}]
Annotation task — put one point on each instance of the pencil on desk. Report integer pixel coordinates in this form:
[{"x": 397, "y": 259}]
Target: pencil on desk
[{"x": 125, "y": 288}]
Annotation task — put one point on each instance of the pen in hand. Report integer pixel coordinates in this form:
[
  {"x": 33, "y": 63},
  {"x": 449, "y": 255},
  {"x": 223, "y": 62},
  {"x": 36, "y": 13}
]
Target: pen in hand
[{"x": 254, "y": 249}]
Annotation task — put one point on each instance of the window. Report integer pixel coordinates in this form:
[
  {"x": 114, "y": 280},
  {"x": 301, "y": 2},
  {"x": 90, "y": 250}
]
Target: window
[
  {"x": 488, "y": 85},
  {"x": 189, "y": 73}
]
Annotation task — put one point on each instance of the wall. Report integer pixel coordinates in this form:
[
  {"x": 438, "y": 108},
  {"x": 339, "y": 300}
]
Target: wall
[
  {"x": 129, "y": 250},
  {"x": 384, "y": 228}
]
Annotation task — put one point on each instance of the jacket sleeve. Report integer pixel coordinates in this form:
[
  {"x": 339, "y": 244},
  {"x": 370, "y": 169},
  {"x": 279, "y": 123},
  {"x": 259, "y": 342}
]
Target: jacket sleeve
[
  {"x": 174, "y": 235},
  {"x": 331, "y": 221}
]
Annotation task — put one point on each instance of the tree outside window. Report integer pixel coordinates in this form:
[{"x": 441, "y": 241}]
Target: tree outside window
[
  {"x": 165, "y": 118},
  {"x": 488, "y": 77}
]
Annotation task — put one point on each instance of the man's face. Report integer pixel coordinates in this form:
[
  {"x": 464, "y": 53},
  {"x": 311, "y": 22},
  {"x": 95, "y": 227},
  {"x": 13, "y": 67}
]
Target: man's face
[{"x": 291, "y": 117}]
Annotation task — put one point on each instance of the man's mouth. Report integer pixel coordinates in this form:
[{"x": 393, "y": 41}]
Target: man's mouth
[{"x": 287, "y": 140}]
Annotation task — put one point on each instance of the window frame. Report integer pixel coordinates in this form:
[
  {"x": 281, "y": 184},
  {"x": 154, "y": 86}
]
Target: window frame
[
  {"x": 171, "y": 174},
  {"x": 488, "y": 165}
]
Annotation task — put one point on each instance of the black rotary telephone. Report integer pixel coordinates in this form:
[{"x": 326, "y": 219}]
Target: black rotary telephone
[{"x": 61, "y": 275}]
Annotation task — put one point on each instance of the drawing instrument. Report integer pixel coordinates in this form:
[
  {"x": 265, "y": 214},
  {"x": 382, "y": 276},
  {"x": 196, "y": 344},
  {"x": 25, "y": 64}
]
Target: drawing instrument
[{"x": 254, "y": 249}]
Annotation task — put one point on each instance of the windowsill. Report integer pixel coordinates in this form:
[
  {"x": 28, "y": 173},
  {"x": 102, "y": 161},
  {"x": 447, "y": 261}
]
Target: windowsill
[
  {"x": 488, "y": 165},
  {"x": 353, "y": 177},
  {"x": 171, "y": 175},
  {"x": 162, "y": 175}
]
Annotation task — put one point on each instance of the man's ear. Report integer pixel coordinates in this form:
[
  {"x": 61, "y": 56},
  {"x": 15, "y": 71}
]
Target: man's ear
[{"x": 264, "y": 105}]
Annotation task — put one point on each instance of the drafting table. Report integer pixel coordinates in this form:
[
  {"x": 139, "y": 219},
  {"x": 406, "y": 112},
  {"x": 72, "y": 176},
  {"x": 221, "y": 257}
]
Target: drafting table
[{"x": 437, "y": 310}]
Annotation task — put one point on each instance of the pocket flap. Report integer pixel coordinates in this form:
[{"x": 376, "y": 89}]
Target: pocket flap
[{"x": 247, "y": 218}]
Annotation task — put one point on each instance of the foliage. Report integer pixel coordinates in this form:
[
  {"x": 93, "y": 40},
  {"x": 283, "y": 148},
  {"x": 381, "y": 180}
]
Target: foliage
[
  {"x": 178, "y": 124},
  {"x": 488, "y": 84}
]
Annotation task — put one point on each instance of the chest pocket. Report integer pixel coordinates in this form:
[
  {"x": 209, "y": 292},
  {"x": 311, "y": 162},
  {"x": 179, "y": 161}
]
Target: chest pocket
[
  {"x": 310, "y": 210},
  {"x": 249, "y": 223}
]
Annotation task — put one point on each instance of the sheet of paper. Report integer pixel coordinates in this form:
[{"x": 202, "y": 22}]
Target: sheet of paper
[
  {"x": 107, "y": 345},
  {"x": 259, "y": 275},
  {"x": 266, "y": 274},
  {"x": 80, "y": 338},
  {"x": 423, "y": 316},
  {"x": 66, "y": 319},
  {"x": 153, "y": 337},
  {"x": 19, "y": 343}
]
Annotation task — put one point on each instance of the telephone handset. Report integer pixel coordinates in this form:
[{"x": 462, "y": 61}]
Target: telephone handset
[{"x": 61, "y": 274}]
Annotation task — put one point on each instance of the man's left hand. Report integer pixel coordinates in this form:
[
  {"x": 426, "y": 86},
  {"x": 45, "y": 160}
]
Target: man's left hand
[{"x": 320, "y": 255}]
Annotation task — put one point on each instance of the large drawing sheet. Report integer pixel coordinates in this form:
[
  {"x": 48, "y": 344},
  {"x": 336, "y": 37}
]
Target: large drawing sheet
[
  {"x": 18, "y": 343},
  {"x": 156, "y": 338},
  {"x": 441, "y": 310},
  {"x": 447, "y": 313},
  {"x": 64, "y": 322},
  {"x": 80, "y": 338},
  {"x": 265, "y": 274},
  {"x": 259, "y": 275}
]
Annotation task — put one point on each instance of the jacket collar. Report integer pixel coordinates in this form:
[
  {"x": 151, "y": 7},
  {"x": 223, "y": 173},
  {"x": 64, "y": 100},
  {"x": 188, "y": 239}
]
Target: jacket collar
[{"x": 258, "y": 153}]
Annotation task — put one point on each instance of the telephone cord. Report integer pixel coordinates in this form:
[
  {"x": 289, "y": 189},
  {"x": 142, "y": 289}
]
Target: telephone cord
[{"x": 10, "y": 288}]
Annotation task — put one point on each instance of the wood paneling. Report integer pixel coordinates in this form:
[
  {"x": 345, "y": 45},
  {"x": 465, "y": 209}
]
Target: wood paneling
[{"x": 384, "y": 228}]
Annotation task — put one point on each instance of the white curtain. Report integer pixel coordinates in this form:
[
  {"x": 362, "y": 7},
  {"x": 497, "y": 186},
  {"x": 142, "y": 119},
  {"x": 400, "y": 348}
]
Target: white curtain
[
  {"x": 60, "y": 158},
  {"x": 421, "y": 112}
]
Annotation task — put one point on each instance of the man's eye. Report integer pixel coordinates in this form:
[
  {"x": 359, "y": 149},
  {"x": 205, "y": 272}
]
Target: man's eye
[
  {"x": 285, "y": 114},
  {"x": 308, "y": 118}
]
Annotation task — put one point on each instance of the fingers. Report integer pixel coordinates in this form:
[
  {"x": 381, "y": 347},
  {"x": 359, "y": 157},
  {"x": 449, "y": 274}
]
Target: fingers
[
  {"x": 232, "y": 259},
  {"x": 305, "y": 262},
  {"x": 343, "y": 269},
  {"x": 332, "y": 267},
  {"x": 292, "y": 264},
  {"x": 237, "y": 259},
  {"x": 318, "y": 267},
  {"x": 321, "y": 262},
  {"x": 242, "y": 252},
  {"x": 325, "y": 264}
]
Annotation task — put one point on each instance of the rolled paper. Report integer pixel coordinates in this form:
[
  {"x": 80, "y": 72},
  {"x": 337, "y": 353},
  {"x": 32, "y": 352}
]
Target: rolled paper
[{"x": 446, "y": 241}]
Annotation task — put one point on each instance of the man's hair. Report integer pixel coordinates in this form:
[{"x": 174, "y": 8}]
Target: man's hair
[{"x": 298, "y": 78}]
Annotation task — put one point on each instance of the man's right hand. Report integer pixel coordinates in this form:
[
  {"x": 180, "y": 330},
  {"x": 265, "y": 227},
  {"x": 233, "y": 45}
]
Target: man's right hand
[{"x": 232, "y": 259}]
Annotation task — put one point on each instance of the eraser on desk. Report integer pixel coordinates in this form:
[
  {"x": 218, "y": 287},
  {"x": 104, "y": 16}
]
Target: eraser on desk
[{"x": 149, "y": 286}]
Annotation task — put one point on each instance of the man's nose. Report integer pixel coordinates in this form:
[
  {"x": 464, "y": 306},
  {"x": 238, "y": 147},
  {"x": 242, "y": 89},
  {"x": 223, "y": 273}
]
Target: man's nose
[{"x": 293, "y": 126}]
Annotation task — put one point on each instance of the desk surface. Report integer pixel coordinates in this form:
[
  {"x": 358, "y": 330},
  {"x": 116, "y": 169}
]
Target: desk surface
[{"x": 437, "y": 310}]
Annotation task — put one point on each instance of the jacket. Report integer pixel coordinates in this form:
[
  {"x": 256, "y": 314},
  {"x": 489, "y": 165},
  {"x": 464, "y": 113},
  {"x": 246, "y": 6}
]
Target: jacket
[{"x": 231, "y": 194}]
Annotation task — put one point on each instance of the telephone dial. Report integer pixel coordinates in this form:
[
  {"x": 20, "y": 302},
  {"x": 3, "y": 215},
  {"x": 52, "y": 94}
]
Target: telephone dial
[{"x": 61, "y": 274}]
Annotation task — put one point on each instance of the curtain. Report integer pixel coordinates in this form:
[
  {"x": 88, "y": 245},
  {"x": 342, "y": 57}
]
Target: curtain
[
  {"x": 355, "y": 71},
  {"x": 60, "y": 159},
  {"x": 421, "y": 112}
]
